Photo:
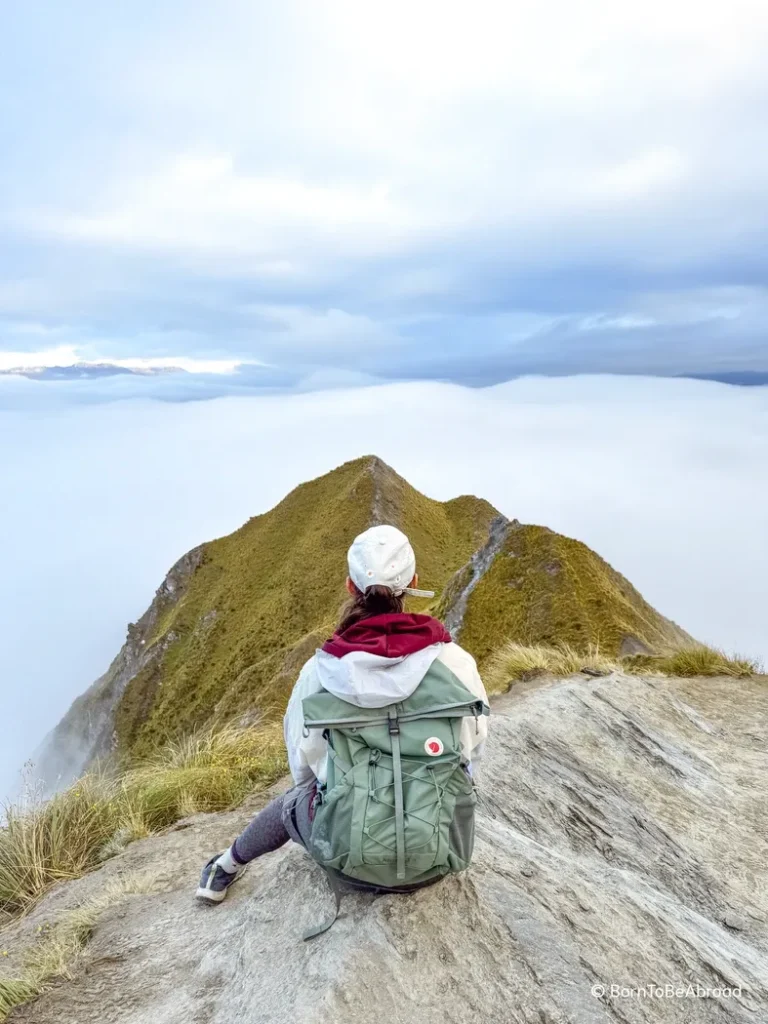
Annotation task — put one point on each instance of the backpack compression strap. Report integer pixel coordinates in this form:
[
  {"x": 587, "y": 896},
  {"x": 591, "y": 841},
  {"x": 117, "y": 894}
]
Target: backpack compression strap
[{"x": 394, "y": 732}]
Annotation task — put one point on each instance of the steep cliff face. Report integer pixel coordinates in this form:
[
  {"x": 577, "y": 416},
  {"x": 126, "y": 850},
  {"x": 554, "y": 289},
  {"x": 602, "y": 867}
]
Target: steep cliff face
[
  {"x": 620, "y": 842},
  {"x": 231, "y": 625},
  {"x": 87, "y": 731}
]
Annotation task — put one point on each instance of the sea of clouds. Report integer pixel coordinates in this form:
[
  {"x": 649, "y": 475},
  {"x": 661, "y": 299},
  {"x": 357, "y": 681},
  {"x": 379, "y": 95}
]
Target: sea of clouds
[{"x": 667, "y": 479}]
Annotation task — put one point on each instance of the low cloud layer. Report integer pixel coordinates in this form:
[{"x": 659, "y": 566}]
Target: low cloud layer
[
  {"x": 666, "y": 479},
  {"x": 416, "y": 190}
]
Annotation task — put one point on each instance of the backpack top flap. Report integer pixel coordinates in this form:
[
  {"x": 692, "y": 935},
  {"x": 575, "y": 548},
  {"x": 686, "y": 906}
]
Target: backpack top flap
[{"x": 440, "y": 694}]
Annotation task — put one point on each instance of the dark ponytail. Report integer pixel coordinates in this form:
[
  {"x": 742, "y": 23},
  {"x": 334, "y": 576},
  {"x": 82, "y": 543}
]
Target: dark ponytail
[{"x": 375, "y": 601}]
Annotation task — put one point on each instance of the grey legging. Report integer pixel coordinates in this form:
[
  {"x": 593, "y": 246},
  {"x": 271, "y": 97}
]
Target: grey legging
[{"x": 286, "y": 817}]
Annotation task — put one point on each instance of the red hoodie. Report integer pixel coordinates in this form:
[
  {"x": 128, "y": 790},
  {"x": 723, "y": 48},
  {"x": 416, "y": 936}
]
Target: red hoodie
[{"x": 391, "y": 636}]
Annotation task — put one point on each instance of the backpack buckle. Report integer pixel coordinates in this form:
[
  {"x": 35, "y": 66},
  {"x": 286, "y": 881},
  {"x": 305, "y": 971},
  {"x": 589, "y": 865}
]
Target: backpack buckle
[{"x": 394, "y": 725}]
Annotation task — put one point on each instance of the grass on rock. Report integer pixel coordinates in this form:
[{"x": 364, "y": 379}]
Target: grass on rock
[
  {"x": 705, "y": 661},
  {"x": 514, "y": 662}
]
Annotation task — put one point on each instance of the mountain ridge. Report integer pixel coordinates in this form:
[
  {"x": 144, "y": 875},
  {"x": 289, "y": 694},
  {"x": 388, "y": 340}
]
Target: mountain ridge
[{"x": 230, "y": 626}]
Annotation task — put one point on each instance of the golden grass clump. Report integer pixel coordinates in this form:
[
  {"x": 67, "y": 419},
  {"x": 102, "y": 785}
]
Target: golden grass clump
[
  {"x": 706, "y": 661},
  {"x": 46, "y": 841},
  {"x": 514, "y": 662},
  {"x": 205, "y": 771}
]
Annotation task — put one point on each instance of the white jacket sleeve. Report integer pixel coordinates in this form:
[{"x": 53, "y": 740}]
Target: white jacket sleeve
[
  {"x": 305, "y": 753},
  {"x": 474, "y": 731}
]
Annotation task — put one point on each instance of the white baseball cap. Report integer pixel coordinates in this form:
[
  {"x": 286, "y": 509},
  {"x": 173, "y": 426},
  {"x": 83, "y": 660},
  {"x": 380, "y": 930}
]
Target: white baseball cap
[{"x": 383, "y": 557}]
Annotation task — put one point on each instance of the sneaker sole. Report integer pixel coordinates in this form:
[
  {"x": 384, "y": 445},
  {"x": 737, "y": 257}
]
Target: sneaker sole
[{"x": 209, "y": 896}]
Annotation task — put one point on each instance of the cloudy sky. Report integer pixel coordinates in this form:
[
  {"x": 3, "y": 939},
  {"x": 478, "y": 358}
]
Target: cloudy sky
[{"x": 345, "y": 191}]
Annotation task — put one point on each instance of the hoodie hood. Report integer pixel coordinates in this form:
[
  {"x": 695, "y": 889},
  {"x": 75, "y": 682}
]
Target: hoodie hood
[
  {"x": 380, "y": 660},
  {"x": 391, "y": 636}
]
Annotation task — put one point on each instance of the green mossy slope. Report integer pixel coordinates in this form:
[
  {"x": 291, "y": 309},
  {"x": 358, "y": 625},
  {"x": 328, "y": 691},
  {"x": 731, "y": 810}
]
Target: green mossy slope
[
  {"x": 544, "y": 588},
  {"x": 264, "y": 597}
]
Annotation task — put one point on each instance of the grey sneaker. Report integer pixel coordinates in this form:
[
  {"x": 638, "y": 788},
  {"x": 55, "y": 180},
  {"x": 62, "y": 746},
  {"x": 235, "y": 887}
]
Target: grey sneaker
[{"x": 215, "y": 881}]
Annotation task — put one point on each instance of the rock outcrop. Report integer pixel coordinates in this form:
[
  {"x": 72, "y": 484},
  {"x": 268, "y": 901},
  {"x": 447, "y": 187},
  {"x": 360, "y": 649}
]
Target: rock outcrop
[{"x": 621, "y": 841}]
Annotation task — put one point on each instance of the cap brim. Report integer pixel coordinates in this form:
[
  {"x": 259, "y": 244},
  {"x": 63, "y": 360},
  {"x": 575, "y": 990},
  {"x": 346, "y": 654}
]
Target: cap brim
[{"x": 412, "y": 592}]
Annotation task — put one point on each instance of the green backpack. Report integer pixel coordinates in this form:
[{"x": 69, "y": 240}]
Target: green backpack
[{"x": 397, "y": 809}]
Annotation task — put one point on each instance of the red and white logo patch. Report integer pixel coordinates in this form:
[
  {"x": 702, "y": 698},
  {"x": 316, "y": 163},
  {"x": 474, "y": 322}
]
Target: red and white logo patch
[{"x": 433, "y": 746}]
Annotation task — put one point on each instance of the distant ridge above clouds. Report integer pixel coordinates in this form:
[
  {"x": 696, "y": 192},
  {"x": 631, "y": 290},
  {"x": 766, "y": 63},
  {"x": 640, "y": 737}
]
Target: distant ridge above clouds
[
  {"x": 72, "y": 362},
  {"x": 181, "y": 383},
  {"x": 82, "y": 371}
]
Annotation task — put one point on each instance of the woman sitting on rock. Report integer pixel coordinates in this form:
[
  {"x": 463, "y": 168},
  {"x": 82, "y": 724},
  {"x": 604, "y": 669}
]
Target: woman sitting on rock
[{"x": 382, "y": 727}]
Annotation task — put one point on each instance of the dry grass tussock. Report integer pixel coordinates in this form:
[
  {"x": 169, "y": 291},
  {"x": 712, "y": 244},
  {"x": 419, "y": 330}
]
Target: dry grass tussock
[
  {"x": 60, "y": 946},
  {"x": 707, "y": 661},
  {"x": 46, "y": 841},
  {"x": 514, "y": 662}
]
